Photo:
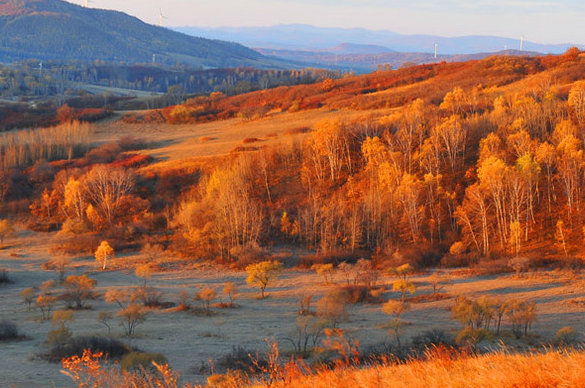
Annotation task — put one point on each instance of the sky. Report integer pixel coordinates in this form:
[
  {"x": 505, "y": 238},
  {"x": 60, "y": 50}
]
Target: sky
[{"x": 542, "y": 21}]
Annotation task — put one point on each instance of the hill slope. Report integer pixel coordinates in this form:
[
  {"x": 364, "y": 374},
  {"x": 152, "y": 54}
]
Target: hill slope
[{"x": 55, "y": 29}]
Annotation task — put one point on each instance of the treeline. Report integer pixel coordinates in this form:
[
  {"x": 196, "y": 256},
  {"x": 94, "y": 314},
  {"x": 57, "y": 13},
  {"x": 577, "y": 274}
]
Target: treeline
[{"x": 34, "y": 78}]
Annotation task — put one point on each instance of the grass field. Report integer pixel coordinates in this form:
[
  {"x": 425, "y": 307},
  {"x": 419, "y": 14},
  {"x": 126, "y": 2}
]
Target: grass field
[{"x": 190, "y": 341}]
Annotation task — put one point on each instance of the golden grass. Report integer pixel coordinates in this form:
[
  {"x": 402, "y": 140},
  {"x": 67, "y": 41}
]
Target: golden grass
[
  {"x": 219, "y": 138},
  {"x": 499, "y": 370}
]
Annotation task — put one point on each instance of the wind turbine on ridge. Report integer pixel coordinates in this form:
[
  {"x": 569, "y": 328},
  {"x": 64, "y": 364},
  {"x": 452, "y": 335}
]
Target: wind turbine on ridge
[{"x": 160, "y": 17}]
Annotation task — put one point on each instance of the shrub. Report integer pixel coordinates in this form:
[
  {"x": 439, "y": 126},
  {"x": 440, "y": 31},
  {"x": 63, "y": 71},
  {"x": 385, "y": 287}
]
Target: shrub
[
  {"x": 148, "y": 296},
  {"x": 241, "y": 359},
  {"x": 564, "y": 336},
  {"x": 231, "y": 291},
  {"x": 335, "y": 258},
  {"x": 110, "y": 347},
  {"x": 8, "y": 330},
  {"x": 491, "y": 267},
  {"x": 471, "y": 337},
  {"x": 205, "y": 296},
  {"x": 332, "y": 307},
  {"x": 141, "y": 360},
  {"x": 78, "y": 290},
  {"x": 75, "y": 346},
  {"x": 235, "y": 378},
  {"x": 357, "y": 294},
  {"x": 106, "y": 153},
  {"x": 458, "y": 261},
  {"x": 297, "y": 130},
  {"x": 432, "y": 338},
  {"x": 4, "y": 278},
  {"x": 131, "y": 143},
  {"x": 519, "y": 265}
]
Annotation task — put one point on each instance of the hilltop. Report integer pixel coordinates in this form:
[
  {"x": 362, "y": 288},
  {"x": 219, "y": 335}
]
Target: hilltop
[{"x": 55, "y": 29}]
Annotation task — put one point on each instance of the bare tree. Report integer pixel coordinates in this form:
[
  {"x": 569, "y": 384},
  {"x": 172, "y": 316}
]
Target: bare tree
[{"x": 105, "y": 187}]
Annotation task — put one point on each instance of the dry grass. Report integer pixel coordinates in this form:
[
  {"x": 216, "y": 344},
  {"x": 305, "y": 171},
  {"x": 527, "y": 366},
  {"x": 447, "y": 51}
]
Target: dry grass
[
  {"x": 182, "y": 338},
  {"x": 64, "y": 141},
  {"x": 176, "y": 143},
  {"x": 442, "y": 370},
  {"x": 500, "y": 370}
]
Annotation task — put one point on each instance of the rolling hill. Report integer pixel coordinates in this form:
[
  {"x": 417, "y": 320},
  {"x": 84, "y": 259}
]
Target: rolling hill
[{"x": 55, "y": 29}]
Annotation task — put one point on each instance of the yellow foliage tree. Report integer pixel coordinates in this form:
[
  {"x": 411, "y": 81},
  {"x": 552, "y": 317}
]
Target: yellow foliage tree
[
  {"x": 263, "y": 273},
  {"x": 104, "y": 253},
  {"x": 577, "y": 101}
]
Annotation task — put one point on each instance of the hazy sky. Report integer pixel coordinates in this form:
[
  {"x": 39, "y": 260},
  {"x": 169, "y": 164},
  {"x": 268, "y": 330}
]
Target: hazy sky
[{"x": 543, "y": 21}]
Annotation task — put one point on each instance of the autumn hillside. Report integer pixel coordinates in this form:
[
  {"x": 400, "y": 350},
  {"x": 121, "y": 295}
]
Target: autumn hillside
[
  {"x": 385, "y": 89},
  {"x": 446, "y": 164}
]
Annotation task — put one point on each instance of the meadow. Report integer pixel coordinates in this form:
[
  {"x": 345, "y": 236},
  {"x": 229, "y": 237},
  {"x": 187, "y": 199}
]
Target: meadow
[{"x": 194, "y": 341}]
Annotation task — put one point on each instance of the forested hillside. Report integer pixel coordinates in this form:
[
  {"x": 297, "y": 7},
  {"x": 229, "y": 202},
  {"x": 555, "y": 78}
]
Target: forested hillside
[
  {"x": 55, "y": 29},
  {"x": 490, "y": 167}
]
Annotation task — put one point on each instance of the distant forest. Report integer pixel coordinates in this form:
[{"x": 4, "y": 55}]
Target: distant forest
[{"x": 33, "y": 79}]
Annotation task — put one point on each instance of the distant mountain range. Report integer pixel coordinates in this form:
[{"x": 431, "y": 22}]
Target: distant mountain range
[
  {"x": 365, "y": 63},
  {"x": 301, "y": 37},
  {"x": 55, "y": 29}
]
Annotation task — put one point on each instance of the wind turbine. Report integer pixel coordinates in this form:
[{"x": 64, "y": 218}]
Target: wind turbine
[
  {"x": 436, "y": 47},
  {"x": 160, "y": 17},
  {"x": 522, "y": 43}
]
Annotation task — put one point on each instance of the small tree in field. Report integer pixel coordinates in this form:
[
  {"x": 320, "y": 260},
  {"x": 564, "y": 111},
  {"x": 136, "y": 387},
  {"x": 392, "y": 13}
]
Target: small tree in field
[
  {"x": 104, "y": 253},
  {"x": 403, "y": 284},
  {"x": 263, "y": 273},
  {"x": 78, "y": 289},
  {"x": 438, "y": 281},
  {"x": 45, "y": 300},
  {"x": 61, "y": 335},
  {"x": 325, "y": 270},
  {"x": 206, "y": 296},
  {"x": 231, "y": 291},
  {"x": 59, "y": 265},
  {"x": 29, "y": 295},
  {"x": 396, "y": 308},
  {"x": 131, "y": 314}
]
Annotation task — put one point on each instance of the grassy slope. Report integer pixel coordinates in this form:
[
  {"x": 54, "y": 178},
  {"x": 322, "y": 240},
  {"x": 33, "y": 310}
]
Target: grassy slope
[
  {"x": 351, "y": 98},
  {"x": 552, "y": 369}
]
